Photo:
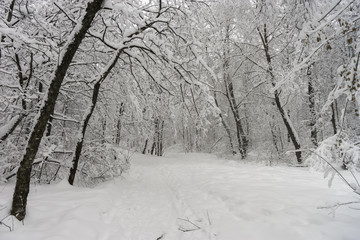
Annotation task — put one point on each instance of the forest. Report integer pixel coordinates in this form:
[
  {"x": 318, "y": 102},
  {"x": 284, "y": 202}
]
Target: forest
[{"x": 101, "y": 91}]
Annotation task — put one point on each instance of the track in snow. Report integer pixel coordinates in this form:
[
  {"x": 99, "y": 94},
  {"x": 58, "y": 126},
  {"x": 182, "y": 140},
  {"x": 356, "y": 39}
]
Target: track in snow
[{"x": 191, "y": 197}]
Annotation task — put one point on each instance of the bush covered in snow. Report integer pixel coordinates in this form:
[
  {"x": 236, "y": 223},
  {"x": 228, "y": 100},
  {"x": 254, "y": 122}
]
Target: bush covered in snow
[
  {"x": 338, "y": 151},
  {"x": 334, "y": 154},
  {"x": 101, "y": 162}
]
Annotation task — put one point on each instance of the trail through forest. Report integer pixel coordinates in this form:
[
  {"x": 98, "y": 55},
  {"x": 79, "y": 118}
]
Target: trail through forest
[{"x": 190, "y": 197}]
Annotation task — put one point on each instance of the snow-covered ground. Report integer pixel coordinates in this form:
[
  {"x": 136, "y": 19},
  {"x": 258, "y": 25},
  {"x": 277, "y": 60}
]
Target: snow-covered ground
[{"x": 190, "y": 197}]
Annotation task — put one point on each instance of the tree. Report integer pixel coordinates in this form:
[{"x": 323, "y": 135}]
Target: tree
[{"x": 23, "y": 175}]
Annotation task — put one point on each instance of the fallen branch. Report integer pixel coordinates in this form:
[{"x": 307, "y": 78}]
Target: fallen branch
[
  {"x": 337, "y": 205},
  {"x": 183, "y": 229},
  {"x": 162, "y": 235},
  {"x": 208, "y": 217},
  {"x": 9, "y": 227}
]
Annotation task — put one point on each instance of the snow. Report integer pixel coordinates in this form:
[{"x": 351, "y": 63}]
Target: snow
[{"x": 206, "y": 197}]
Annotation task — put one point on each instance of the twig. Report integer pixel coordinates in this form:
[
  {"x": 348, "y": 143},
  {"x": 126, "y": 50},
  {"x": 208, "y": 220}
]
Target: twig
[
  {"x": 330, "y": 10},
  {"x": 67, "y": 15},
  {"x": 162, "y": 235},
  {"x": 337, "y": 171},
  {"x": 208, "y": 216},
  {"x": 1, "y": 222},
  {"x": 337, "y": 205},
  {"x": 190, "y": 229}
]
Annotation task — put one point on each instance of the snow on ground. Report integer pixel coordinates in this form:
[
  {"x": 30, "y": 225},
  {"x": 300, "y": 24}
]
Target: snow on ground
[{"x": 189, "y": 197}]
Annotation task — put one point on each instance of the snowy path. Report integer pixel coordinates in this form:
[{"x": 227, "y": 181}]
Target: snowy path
[{"x": 225, "y": 200}]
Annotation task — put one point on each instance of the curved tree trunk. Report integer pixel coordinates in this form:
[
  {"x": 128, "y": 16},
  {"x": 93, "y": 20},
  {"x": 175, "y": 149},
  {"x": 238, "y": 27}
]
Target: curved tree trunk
[
  {"x": 84, "y": 124},
  {"x": 243, "y": 141},
  {"x": 242, "y": 138},
  {"x": 87, "y": 115},
  {"x": 288, "y": 124},
  {"x": 9, "y": 128},
  {"x": 22, "y": 186},
  {"x": 227, "y": 129}
]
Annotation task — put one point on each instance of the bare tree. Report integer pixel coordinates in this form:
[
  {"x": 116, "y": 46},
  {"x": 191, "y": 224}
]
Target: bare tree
[{"x": 22, "y": 186}]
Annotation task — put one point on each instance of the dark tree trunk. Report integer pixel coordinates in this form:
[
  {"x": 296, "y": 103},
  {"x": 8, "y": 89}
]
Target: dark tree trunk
[
  {"x": 153, "y": 148},
  {"x": 22, "y": 186},
  {"x": 156, "y": 137},
  {"x": 226, "y": 127},
  {"x": 157, "y": 146},
  {"x": 160, "y": 138},
  {"x": 240, "y": 134},
  {"x": 119, "y": 124},
  {"x": 80, "y": 142},
  {"x": 289, "y": 127},
  {"x": 11, "y": 126},
  {"x": 146, "y": 143},
  {"x": 333, "y": 117},
  {"x": 286, "y": 119},
  {"x": 311, "y": 93},
  {"x": 87, "y": 116},
  {"x": 104, "y": 131}
]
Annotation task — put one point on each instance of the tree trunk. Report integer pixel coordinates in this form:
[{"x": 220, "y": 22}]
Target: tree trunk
[
  {"x": 313, "y": 117},
  {"x": 292, "y": 133},
  {"x": 22, "y": 186},
  {"x": 240, "y": 134},
  {"x": 84, "y": 124},
  {"x": 146, "y": 143},
  {"x": 119, "y": 124},
  {"x": 333, "y": 118},
  {"x": 153, "y": 148},
  {"x": 160, "y": 139},
  {"x": 103, "y": 141},
  {"x": 288, "y": 124},
  {"x": 87, "y": 115},
  {"x": 10, "y": 127},
  {"x": 226, "y": 127}
]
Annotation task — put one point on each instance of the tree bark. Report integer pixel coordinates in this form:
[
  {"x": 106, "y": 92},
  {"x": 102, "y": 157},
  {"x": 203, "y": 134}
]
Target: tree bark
[{"x": 22, "y": 186}]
